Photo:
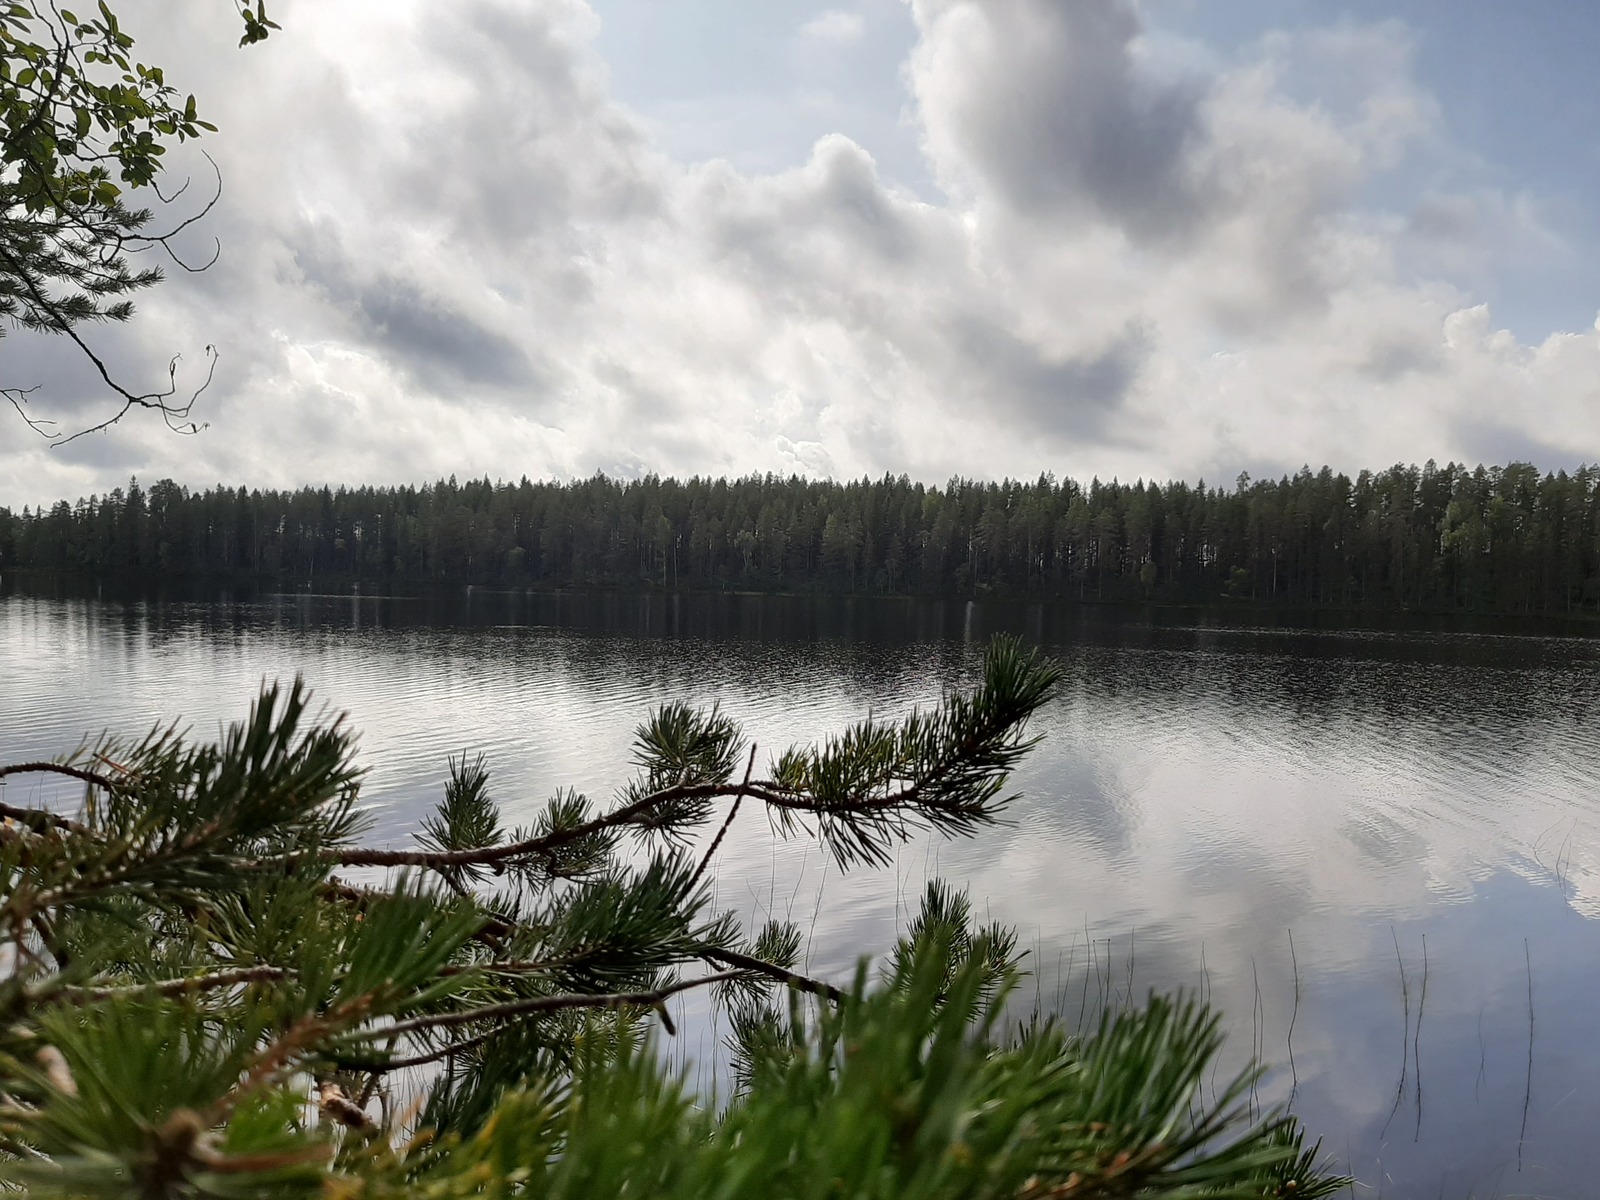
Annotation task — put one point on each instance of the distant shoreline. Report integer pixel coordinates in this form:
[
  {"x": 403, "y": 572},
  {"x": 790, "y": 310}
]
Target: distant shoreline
[{"x": 1501, "y": 541}]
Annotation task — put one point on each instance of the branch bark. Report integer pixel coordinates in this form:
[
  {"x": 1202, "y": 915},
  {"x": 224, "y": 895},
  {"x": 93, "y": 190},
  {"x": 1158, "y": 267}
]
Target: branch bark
[
  {"x": 767, "y": 791},
  {"x": 533, "y": 1004},
  {"x": 748, "y": 962},
  {"x": 55, "y": 768},
  {"x": 176, "y": 987}
]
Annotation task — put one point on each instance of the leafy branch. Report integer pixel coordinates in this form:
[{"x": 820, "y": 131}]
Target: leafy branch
[{"x": 84, "y": 125}]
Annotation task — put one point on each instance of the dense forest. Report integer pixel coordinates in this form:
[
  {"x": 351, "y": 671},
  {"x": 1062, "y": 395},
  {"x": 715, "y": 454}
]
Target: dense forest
[{"x": 1486, "y": 539}]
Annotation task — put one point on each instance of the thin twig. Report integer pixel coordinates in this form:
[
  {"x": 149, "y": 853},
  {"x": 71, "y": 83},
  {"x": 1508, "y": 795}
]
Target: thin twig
[
  {"x": 175, "y": 987},
  {"x": 1416, "y": 1035},
  {"x": 1405, "y": 1033},
  {"x": 746, "y": 962},
  {"x": 1527, "y": 1095},
  {"x": 55, "y": 768},
  {"x": 543, "y": 845},
  {"x": 721, "y": 833},
  {"x": 1293, "y": 1017},
  {"x": 768, "y": 791},
  {"x": 154, "y": 400},
  {"x": 519, "y": 967},
  {"x": 383, "y": 1066},
  {"x": 533, "y": 1004}
]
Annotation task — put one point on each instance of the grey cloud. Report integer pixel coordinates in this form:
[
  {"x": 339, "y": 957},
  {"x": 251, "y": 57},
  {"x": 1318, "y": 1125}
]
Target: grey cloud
[
  {"x": 645, "y": 404},
  {"x": 1492, "y": 442},
  {"x": 832, "y": 217},
  {"x": 439, "y": 341},
  {"x": 1075, "y": 396},
  {"x": 111, "y": 455},
  {"x": 1052, "y": 110},
  {"x": 1445, "y": 218},
  {"x": 857, "y": 205},
  {"x": 1386, "y": 362},
  {"x": 435, "y": 340},
  {"x": 533, "y": 145},
  {"x": 1090, "y": 812}
]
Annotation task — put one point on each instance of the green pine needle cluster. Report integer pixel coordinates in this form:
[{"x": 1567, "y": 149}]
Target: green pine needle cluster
[{"x": 199, "y": 998}]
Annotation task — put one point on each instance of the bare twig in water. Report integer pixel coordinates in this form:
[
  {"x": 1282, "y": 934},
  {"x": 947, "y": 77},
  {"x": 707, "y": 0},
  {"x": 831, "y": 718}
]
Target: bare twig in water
[
  {"x": 1416, "y": 1037},
  {"x": 1258, "y": 1034},
  {"x": 1483, "y": 1058},
  {"x": 1294, "y": 1016},
  {"x": 716, "y": 842},
  {"x": 1405, "y": 1034},
  {"x": 1527, "y": 1095}
]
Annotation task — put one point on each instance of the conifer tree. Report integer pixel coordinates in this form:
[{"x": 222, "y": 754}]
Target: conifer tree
[{"x": 200, "y": 1000}]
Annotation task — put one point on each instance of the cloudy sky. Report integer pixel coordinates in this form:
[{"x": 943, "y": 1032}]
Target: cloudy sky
[{"x": 1169, "y": 238}]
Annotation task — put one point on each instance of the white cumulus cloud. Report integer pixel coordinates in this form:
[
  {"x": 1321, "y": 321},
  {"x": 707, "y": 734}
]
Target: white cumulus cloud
[{"x": 448, "y": 249}]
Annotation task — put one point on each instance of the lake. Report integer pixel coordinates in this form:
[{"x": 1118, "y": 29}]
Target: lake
[{"x": 1376, "y": 850}]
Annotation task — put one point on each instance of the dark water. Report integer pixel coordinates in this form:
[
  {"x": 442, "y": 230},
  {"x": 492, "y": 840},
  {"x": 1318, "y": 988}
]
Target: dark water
[{"x": 1290, "y": 820}]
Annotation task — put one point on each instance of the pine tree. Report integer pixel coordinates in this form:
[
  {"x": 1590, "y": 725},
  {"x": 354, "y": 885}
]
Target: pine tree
[{"x": 199, "y": 1001}]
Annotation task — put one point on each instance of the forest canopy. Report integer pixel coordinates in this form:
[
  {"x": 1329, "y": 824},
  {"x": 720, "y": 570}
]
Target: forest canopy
[{"x": 1482, "y": 540}]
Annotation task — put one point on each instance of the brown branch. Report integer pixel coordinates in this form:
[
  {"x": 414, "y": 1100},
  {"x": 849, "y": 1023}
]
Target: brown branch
[
  {"x": 153, "y": 400},
  {"x": 728, "y": 821},
  {"x": 55, "y": 768},
  {"x": 489, "y": 855},
  {"x": 767, "y": 791},
  {"x": 760, "y": 966},
  {"x": 333, "y": 1102},
  {"x": 263, "y": 974},
  {"x": 491, "y": 933},
  {"x": 533, "y": 1004},
  {"x": 383, "y": 1067},
  {"x": 176, "y": 987},
  {"x": 519, "y": 967},
  {"x": 38, "y": 820}
]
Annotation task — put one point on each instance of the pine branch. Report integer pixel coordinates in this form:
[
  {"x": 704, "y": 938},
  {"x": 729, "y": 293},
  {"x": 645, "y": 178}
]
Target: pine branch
[
  {"x": 381, "y": 1066},
  {"x": 54, "y": 768},
  {"x": 533, "y": 1004},
  {"x": 333, "y": 1102},
  {"x": 192, "y": 860},
  {"x": 733, "y": 811},
  {"x": 768, "y": 791},
  {"x": 746, "y": 962},
  {"x": 489, "y": 856},
  {"x": 174, "y": 987}
]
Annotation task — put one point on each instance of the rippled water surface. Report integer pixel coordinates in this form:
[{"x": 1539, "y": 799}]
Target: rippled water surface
[{"x": 1291, "y": 821}]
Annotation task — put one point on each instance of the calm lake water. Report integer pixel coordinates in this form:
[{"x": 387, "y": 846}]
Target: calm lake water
[{"x": 1291, "y": 821}]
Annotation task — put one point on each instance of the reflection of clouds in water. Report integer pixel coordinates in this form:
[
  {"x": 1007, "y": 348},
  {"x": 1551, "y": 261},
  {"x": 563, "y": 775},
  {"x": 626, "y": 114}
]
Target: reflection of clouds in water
[{"x": 1198, "y": 793}]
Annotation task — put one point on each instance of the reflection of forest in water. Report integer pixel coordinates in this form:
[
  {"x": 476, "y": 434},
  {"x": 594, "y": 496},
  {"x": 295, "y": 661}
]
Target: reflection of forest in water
[{"x": 1202, "y": 793}]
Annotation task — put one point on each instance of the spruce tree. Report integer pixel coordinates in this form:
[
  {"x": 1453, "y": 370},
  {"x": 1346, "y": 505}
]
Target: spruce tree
[{"x": 200, "y": 1000}]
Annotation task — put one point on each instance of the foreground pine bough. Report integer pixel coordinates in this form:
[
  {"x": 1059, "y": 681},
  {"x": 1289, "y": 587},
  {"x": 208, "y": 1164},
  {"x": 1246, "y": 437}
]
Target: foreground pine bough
[{"x": 196, "y": 1004}]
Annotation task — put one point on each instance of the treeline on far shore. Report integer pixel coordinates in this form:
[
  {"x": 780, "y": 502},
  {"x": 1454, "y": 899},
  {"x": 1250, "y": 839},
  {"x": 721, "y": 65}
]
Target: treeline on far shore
[{"x": 1453, "y": 538}]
